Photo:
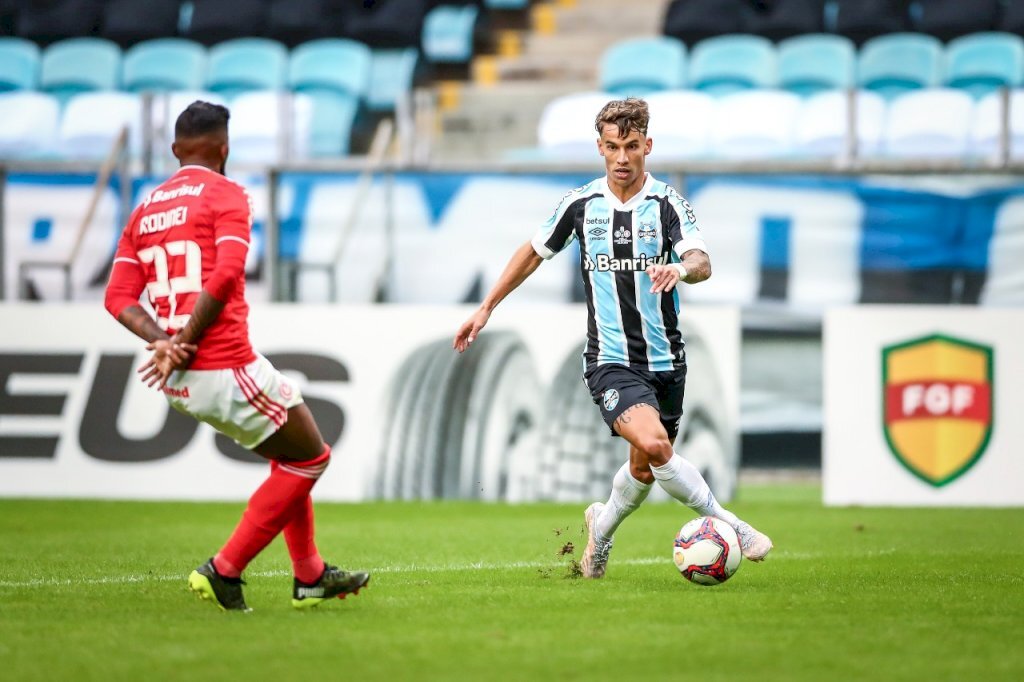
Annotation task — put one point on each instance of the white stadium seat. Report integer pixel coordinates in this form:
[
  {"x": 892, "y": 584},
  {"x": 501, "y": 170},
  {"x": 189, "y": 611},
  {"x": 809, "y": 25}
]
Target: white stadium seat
[
  {"x": 258, "y": 122},
  {"x": 755, "y": 124},
  {"x": 986, "y": 128},
  {"x": 680, "y": 123},
  {"x": 932, "y": 123},
  {"x": 823, "y": 123},
  {"x": 92, "y": 121},
  {"x": 566, "y": 129},
  {"x": 31, "y": 121}
]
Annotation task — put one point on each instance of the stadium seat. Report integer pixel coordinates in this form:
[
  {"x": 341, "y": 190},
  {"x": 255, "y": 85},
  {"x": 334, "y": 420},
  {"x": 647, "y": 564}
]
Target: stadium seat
[
  {"x": 984, "y": 62},
  {"x": 929, "y": 123},
  {"x": 566, "y": 128},
  {"x": 727, "y": 64},
  {"x": 860, "y": 20},
  {"x": 823, "y": 124},
  {"x": 164, "y": 64},
  {"x": 986, "y": 129},
  {"x": 8, "y": 17},
  {"x": 335, "y": 74},
  {"x": 948, "y": 19},
  {"x": 331, "y": 120},
  {"x": 19, "y": 64},
  {"x": 396, "y": 23},
  {"x": 680, "y": 124},
  {"x": 264, "y": 131},
  {"x": 127, "y": 22},
  {"x": 246, "y": 64},
  {"x": 692, "y": 21},
  {"x": 448, "y": 33},
  {"x": 507, "y": 4},
  {"x": 31, "y": 121},
  {"x": 643, "y": 66},
  {"x": 783, "y": 19},
  {"x": 813, "y": 63},
  {"x": 80, "y": 65},
  {"x": 332, "y": 64},
  {"x": 756, "y": 124},
  {"x": 894, "y": 64},
  {"x": 92, "y": 121},
  {"x": 391, "y": 77},
  {"x": 215, "y": 21},
  {"x": 48, "y": 21}
]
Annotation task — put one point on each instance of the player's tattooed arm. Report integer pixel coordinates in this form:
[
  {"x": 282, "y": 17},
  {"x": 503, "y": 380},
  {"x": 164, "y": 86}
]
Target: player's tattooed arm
[
  {"x": 141, "y": 323},
  {"x": 204, "y": 312}
]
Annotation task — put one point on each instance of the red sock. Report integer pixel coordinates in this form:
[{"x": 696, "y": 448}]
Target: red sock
[
  {"x": 298, "y": 534},
  {"x": 270, "y": 508}
]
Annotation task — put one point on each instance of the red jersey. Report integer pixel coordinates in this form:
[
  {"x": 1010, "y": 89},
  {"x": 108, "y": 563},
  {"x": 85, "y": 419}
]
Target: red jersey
[{"x": 170, "y": 247}]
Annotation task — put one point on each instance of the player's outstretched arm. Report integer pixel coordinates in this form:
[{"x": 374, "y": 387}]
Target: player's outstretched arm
[
  {"x": 522, "y": 264},
  {"x": 695, "y": 267}
]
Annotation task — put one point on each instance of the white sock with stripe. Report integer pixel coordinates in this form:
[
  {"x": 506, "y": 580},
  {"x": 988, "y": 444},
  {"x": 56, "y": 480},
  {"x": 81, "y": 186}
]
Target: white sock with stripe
[
  {"x": 681, "y": 480},
  {"x": 627, "y": 494}
]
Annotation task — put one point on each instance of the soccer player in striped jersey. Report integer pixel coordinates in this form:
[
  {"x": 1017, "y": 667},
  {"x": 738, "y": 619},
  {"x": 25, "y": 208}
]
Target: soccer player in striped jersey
[
  {"x": 186, "y": 245},
  {"x": 638, "y": 240}
]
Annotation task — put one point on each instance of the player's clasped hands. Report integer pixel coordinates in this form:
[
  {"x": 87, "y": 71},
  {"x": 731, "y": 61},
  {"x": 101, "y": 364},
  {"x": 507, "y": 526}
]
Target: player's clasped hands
[
  {"x": 663, "y": 277},
  {"x": 168, "y": 355}
]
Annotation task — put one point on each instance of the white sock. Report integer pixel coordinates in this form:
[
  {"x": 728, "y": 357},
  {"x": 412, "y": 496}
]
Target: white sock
[
  {"x": 681, "y": 480},
  {"x": 627, "y": 494}
]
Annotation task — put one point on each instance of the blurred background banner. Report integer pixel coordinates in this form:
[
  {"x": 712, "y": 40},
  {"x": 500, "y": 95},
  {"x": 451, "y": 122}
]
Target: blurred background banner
[
  {"x": 806, "y": 242},
  {"x": 922, "y": 406},
  {"x": 408, "y": 418}
]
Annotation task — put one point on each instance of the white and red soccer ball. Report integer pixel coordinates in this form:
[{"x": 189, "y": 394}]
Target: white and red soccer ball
[{"x": 707, "y": 551}]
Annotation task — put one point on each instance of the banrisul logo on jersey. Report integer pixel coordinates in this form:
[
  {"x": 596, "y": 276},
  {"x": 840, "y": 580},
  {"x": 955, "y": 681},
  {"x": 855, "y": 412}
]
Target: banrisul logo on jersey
[
  {"x": 603, "y": 262},
  {"x": 937, "y": 398}
]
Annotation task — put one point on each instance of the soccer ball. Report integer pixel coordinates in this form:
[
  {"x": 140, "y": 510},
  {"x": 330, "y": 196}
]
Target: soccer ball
[{"x": 707, "y": 551}]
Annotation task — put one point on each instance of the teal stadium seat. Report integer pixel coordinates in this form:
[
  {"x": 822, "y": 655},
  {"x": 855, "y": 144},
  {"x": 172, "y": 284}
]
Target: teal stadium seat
[
  {"x": 642, "y": 66},
  {"x": 78, "y": 65},
  {"x": 244, "y": 64},
  {"x": 19, "y": 64},
  {"x": 448, "y": 32},
  {"x": 335, "y": 74},
  {"x": 817, "y": 62},
  {"x": 391, "y": 77},
  {"x": 984, "y": 62},
  {"x": 726, "y": 64},
  {"x": 164, "y": 64},
  {"x": 894, "y": 64},
  {"x": 506, "y": 4}
]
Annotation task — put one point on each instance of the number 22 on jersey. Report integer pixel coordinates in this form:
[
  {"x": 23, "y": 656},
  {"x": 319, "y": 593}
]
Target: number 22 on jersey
[{"x": 177, "y": 272}]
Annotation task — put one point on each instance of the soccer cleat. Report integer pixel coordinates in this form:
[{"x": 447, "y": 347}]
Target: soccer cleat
[
  {"x": 754, "y": 545},
  {"x": 595, "y": 556},
  {"x": 333, "y": 582},
  {"x": 226, "y": 593}
]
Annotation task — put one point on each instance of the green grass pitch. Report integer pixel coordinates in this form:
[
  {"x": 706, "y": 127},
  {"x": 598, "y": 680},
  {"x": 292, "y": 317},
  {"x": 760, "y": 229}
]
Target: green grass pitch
[{"x": 96, "y": 591}]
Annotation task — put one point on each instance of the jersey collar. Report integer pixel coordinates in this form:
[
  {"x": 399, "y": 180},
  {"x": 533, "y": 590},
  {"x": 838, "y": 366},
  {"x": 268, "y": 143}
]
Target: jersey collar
[{"x": 633, "y": 200}]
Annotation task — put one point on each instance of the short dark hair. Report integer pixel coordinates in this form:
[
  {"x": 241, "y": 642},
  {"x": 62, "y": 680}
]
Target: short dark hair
[{"x": 201, "y": 118}]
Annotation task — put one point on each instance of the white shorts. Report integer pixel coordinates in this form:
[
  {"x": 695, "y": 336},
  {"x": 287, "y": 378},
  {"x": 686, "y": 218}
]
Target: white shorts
[{"x": 247, "y": 404}]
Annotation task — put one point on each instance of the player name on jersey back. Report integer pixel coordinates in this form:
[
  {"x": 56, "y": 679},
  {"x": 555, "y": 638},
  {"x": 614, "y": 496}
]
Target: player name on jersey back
[{"x": 158, "y": 222}]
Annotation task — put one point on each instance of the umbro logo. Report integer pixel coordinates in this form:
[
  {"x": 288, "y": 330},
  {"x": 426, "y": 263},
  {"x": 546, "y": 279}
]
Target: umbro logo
[
  {"x": 598, "y": 232},
  {"x": 623, "y": 236}
]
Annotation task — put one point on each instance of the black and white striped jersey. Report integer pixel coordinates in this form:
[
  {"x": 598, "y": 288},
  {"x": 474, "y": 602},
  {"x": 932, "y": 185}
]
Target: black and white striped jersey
[{"x": 627, "y": 324}]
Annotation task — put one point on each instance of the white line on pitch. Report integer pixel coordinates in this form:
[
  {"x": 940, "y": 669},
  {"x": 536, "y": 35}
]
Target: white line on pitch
[{"x": 408, "y": 568}]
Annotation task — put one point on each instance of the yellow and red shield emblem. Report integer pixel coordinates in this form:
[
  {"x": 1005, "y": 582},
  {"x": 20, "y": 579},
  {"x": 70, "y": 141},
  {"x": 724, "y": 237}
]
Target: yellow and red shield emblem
[{"x": 937, "y": 405}]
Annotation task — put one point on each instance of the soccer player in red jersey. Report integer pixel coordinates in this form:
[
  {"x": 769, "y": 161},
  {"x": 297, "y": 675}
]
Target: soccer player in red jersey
[{"x": 186, "y": 246}]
